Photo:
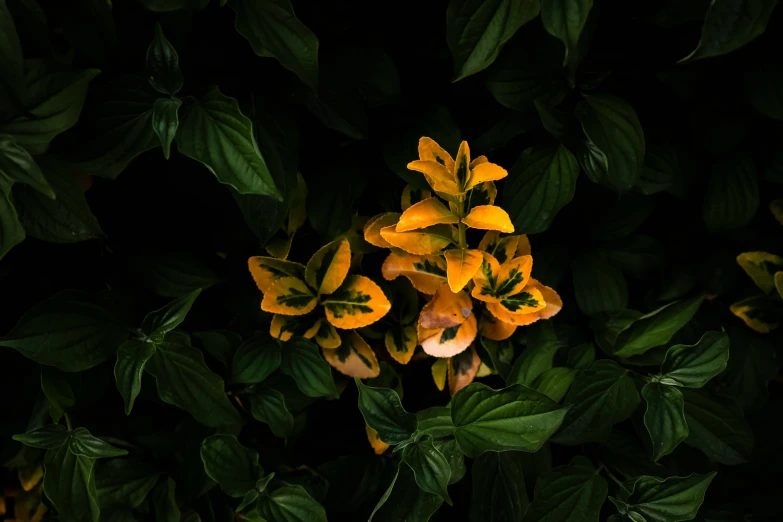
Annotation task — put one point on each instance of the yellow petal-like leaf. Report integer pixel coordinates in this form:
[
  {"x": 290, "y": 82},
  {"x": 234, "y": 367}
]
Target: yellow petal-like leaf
[
  {"x": 486, "y": 278},
  {"x": 485, "y": 172},
  {"x": 489, "y": 217},
  {"x": 462, "y": 166},
  {"x": 513, "y": 277},
  {"x": 412, "y": 195},
  {"x": 288, "y": 296},
  {"x": 284, "y": 327},
  {"x": 425, "y": 214},
  {"x": 438, "y": 176},
  {"x": 523, "y": 246},
  {"x": 461, "y": 265},
  {"x": 482, "y": 194},
  {"x": 372, "y": 229},
  {"x": 448, "y": 342},
  {"x": 354, "y": 357},
  {"x": 401, "y": 342},
  {"x": 478, "y": 161},
  {"x": 501, "y": 248},
  {"x": 429, "y": 150},
  {"x": 553, "y": 302},
  {"x": 463, "y": 369},
  {"x": 502, "y": 314},
  {"x": 267, "y": 270},
  {"x": 378, "y": 446},
  {"x": 759, "y": 313},
  {"x": 761, "y": 267},
  {"x": 358, "y": 302},
  {"x": 422, "y": 242},
  {"x": 527, "y": 301},
  {"x": 326, "y": 336},
  {"x": 446, "y": 309},
  {"x": 492, "y": 328},
  {"x": 328, "y": 267},
  {"x": 553, "y": 305},
  {"x": 426, "y": 273},
  {"x": 279, "y": 248},
  {"x": 439, "y": 371}
]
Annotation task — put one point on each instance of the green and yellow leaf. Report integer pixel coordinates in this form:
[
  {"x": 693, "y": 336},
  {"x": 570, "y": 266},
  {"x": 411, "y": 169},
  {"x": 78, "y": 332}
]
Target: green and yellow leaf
[
  {"x": 378, "y": 446},
  {"x": 489, "y": 217},
  {"x": 525, "y": 302},
  {"x": 552, "y": 307},
  {"x": 424, "y": 214},
  {"x": 412, "y": 195},
  {"x": 483, "y": 194},
  {"x": 461, "y": 265},
  {"x": 405, "y": 306},
  {"x": 328, "y": 267},
  {"x": 759, "y": 312},
  {"x": 326, "y": 335},
  {"x": 776, "y": 207},
  {"x": 492, "y": 328},
  {"x": 284, "y": 327},
  {"x": 438, "y": 176},
  {"x": 422, "y": 242},
  {"x": 358, "y": 302},
  {"x": 485, "y": 279},
  {"x": 446, "y": 309},
  {"x": 502, "y": 249},
  {"x": 761, "y": 267},
  {"x": 279, "y": 248},
  {"x": 372, "y": 229},
  {"x": 401, "y": 342},
  {"x": 439, "y": 371},
  {"x": 288, "y": 296},
  {"x": 426, "y": 273},
  {"x": 267, "y": 270},
  {"x": 353, "y": 357},
  {"x": 514, "y": 275},
  {"x": 463, "y": 369},
  {"x": 462, "y": 166},
  {"x": 484, "y": 172},
  {"x": 448, "y": 342},
  {"x": 553, "y": 302},
  {"x": 429, "y": 150}
]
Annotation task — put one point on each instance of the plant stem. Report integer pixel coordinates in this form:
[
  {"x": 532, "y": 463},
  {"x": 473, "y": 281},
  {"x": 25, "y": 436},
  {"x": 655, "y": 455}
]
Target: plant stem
[
  {"x": 68, "y": 421},
  {"x": 463, "y": 243}
]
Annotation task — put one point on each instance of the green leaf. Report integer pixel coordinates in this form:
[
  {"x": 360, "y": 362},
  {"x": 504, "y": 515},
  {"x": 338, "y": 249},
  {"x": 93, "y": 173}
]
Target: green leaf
[
  {"x": 749, "y": 369},
  {"x": 160, "y": 322},
  {"x": 730, "y": 24},
  {"x": 565, "y": 20},
  {"x": 664, "y": 418},
  {"x": 268, "y": 406},
  {"x": 581, "y": 357},
  {"x": 499, "y": 493},
  {"x": 431, "y": 469},
  {"x": 541, "y": 183},
  {"x": 601, "y": 396},
  {"x": 312, "y": 374},
  {"x": 11, "y": 62},
  {"x": 599, "y": 286},
  {"x": 82, "y": 443},
  {"x": 615, "y": 136},
  {"x": 456, "y": 459},
  {"x": 164, "y": 6},
  {"x": 58, "y": 391},
  {"x": 51, "y": 103},
  {"x": 290, "y": 504},
  {"x": 165, "y": 501},
  {"x": 69, "y": 482},
  {"x": 67, "y": 219},
  {"x": 519, "y": 84},
  {"x": 69, "y": 331},
  {"x": 537, "y": 357},
  {"x": 670, "y": 500},
  {"x": 435, "y": 421},
  {"x": 123, "y": 482},
  {"x": 764, "y": 85},
  {"x": 404, "y": 500},
  {"x": 732, "y": 196},
  {"x": 18, "y": 166},
  {"x": 476, "y": 31},
  {"x": 248, "y": 500},
  {"x": 215, "y": 132},
  {"x": 499, "y": 353},
  {"x": 656, "y": 328},
  {"x": 165, "y": 121},
  {"x": 514, "y": 418},
  {"x": 694, "y": 365},
  {"x": 717, "y": 427},
  {"x": 574, "y": 492},
  {"x": 50, "y": 436},
  {"x": 11, "y": 231},
  {"x": 383, "y": 412},
  {"x": 220, "y": 344},
  {"x": 273, "y": 29},
  {"x": 163, "y": 68},
  {"x": 184, "y": 380},
  {"x": 256, "y": 359},
  {"x": 132, "y": 356},
  {"x": 172, "y": 274},
  {"x": 554, "y": 382},
  {"x": 234, "y": 467}
]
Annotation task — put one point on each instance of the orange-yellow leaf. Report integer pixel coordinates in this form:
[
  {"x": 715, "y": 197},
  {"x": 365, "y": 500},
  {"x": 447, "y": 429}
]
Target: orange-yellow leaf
[
  {"x": 462, "y": 166},
  {"x": 527, "y": 301},
  {"x": 354, "y": 357},
  {"x": 486, "y": 278},
  {"x": 489, "y": 217},
  {"x": 429, "y": 150},
  {"x": 401, "y": 342},
  {"x": 463, "y": 369},
  {"x": 757, "y": 313},
  {"x": 426, "y": 273},
  {"x": 412, "y": 195},
  {"x": 439, "y": 370},
  {"x": 419, "y": 242},
  {"x": 523, "y": 246},
  {"x": 761, "y": 267},
  {"x": 377, "y": 444},
  {"x": 267, "y": 270},
  {"x": 483, "y": 172},
  {"x": 446, "y": 309},
  {"x": 501, "y": 249},
  {"x": 284, "y": 327},
  {"x": 478, "y": 161},
  {"x": 328, "y": 267},
  {"x": 553, "y": 306},
  {"x": 288, "y": 296},
  {"x": 503, "y": 315},
  {"x": 358, "y": 302},
  {"x": 438, "y": 176},
  {"x": 553, "y": 302},
  {"x": 426, "y": 213},
  {"x": 461, "y": 265},
  {"x": 492, "y": 328},
  {"x": 482, "y": 194},
  {"x": 513, "y": 277},
  {"x": 448, "y": 342},
  {"x": 326, "y": 335},
  {"x": 372, "y": 229}
]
